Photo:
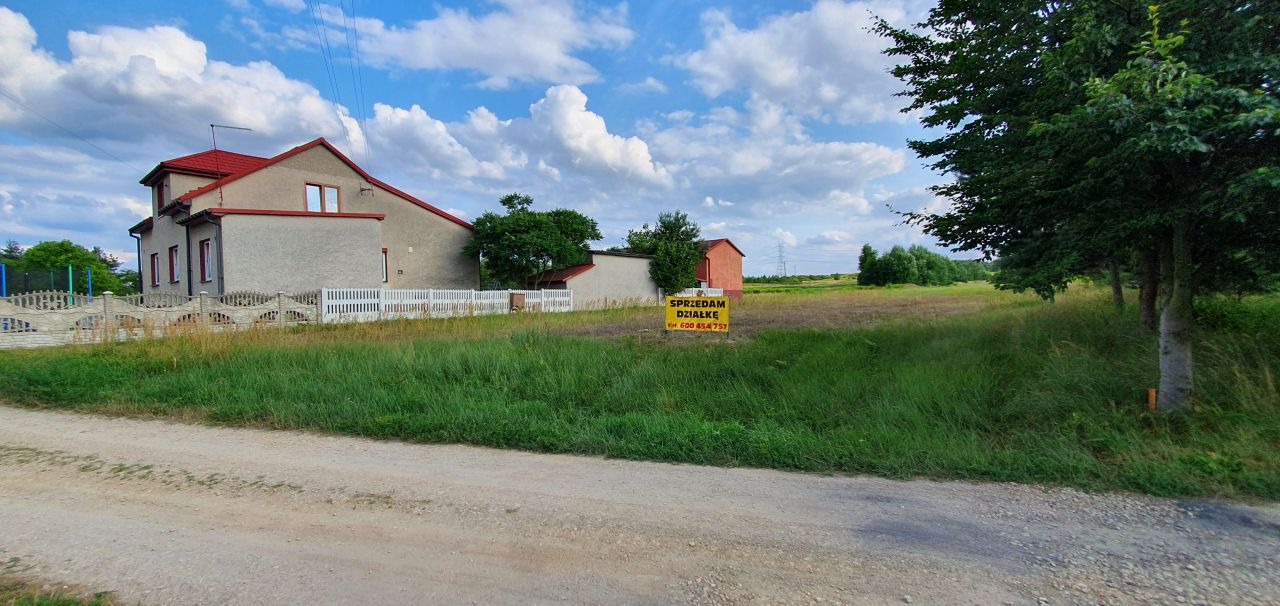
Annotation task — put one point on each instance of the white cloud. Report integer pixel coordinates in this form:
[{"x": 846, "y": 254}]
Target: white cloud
[
  {"x": 822, "y": 62},
  {"x": 785, "y": 236},
  {"x": 682, "y": 115},
  {"x": 548, "y": 171},
  {"x": 561, "y": 124},
  {"x": 648, "y": 85},
  {"x": 521, "y": 40},
  {"x": 154, "y": 83},
  {"x": 419, "y": 144},
  {"x": 857, "y": 202},
  {"x": 830, "y": 238}
]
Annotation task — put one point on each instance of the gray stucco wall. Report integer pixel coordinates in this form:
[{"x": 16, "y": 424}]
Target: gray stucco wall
[
  {"x": 614, "y": 281},
  {"x": 163, "y": 234},
  {"x": 423, "y": 248},
  {"x": 181, "y": 184},
  {"x": 296, "y": 254},
  {"x": 198, "y": 233}
]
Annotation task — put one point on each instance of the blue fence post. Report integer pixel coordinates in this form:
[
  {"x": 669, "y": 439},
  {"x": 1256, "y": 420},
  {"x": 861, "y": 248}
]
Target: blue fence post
[
  {"x": 88, "y": 280},
  {"x": 4, "y": 281}
]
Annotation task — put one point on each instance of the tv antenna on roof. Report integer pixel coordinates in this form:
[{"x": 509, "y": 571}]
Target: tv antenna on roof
[{"x": 213, "y": 134}]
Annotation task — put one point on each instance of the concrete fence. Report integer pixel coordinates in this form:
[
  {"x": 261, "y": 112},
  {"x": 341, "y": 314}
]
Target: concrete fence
[{"x": 57, "y": 318}]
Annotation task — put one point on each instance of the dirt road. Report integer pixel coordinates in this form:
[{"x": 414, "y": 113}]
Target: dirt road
[{"x": 166, "y": 513}]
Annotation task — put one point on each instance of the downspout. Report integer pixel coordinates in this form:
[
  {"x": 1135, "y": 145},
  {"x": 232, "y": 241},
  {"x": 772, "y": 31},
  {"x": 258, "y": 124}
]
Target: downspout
[
  {"x": 137, "y": 238},
  {"x": 217, "y": 240},
  {"x": 191, "y": 292}
]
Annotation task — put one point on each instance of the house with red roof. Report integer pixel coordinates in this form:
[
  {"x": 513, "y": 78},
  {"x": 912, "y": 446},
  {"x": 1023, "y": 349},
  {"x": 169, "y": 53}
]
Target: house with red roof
[
  {"x": 304, "y": 219},
  {"x": 721, "y": 266}
]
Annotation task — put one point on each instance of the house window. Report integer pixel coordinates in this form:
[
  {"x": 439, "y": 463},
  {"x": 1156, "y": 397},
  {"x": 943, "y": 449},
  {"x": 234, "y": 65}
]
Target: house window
[
  {"x": 322, "y": 198},
  {"x": 206, "y": 261},
  {"x": 173, "y": 264},
  {"x": 159, "y": 196},
  {"x": 155, "y": 269},
  {"x": 386, "y": 269}
]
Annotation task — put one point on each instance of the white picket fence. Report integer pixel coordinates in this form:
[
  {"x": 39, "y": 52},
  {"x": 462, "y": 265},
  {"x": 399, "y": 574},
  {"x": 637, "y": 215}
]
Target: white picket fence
[{"x": 368, "y": 304}]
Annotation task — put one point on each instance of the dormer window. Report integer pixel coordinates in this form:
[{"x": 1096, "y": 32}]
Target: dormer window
[
  {"x": 322, "y": 198},
  {"x": 159, "y": 195}
]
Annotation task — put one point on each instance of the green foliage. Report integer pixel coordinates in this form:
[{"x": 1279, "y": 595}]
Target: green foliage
[
  {"x": 19, "y": 592},
  {"x": 1025, "y": 392},
  {"x": 674, "y": 244},
  {"x": 867, "y": 270},
  {"x": 1080, "y": 133},
  {"x": 916, "y": 265},
  {"x": 55, "y": 256},
  {"x": 675, "y": 265},
  {"x": 517, "y": 246},
  {"x": 795, "y": 279}
]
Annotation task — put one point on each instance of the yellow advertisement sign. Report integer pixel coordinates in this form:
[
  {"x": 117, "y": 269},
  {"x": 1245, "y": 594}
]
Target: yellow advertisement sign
[{"x": 697, "y": 313}]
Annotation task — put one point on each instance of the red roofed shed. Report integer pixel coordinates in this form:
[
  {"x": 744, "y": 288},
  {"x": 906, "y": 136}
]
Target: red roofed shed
[{"x": 721, "y": 266}]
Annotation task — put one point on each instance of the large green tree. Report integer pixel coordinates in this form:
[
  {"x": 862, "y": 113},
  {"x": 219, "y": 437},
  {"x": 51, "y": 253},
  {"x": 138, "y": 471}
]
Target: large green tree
[
  {"x": 523, "y": 243},
  {"x": 1078, "y": 135},
  {"x": 676, "y": 249},
  {"x": 56, "y": 255}
]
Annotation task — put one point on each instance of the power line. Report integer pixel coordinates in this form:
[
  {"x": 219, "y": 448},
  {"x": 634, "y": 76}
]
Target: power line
[
  {"x": 67, "y": 130},
  {"x": 327, "y": 54},
  {"x": 353, "y": 45},
  {"x": 322, "y": 34}
]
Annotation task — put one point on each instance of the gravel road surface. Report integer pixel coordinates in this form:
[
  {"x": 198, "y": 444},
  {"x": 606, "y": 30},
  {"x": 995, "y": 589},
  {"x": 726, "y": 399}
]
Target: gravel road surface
[{"x": 166, "y": 513}]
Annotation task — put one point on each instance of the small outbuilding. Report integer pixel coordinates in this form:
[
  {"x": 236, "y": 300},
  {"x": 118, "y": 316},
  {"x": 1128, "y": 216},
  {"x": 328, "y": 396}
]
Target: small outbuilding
[
  {"x": 607, "y": 279},
  {"x": 721, "y": 266}
]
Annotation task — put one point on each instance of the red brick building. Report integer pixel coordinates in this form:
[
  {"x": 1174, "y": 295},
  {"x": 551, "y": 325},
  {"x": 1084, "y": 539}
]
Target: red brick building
[{"x": 721, "y": 266}]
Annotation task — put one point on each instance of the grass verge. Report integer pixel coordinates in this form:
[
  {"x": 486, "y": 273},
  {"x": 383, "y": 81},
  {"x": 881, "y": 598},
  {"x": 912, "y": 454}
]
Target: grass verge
[
  {"x": 15, "y": 591},
  {"x": 1044, "y": 393}
]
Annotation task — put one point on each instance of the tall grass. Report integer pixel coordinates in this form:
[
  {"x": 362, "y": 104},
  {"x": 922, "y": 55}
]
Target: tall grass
[{"x": 1048, "y": 393}]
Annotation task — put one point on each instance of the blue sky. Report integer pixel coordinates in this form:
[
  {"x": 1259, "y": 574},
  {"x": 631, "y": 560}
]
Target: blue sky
[{"x": 768, "y": 122}]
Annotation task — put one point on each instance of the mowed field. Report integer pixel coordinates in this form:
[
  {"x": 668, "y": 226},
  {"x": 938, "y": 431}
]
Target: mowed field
[{"x": 946, "y": 382}]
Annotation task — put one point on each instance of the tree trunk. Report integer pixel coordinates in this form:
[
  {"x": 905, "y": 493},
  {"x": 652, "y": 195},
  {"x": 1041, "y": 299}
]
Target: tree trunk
[
  {"x": 1176, "y": 325},
  {"x": 1149, "y": 290},
  {"x": 1117, "y": 289}
]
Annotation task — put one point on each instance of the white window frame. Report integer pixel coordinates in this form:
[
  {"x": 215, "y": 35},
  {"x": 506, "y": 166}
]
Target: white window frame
[
  {"x": 175, "y": 273},
  {"x": 206, "y": 260}
]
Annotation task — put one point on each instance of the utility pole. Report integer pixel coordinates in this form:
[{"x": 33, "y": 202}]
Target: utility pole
[{"x": 782, "y": 260}]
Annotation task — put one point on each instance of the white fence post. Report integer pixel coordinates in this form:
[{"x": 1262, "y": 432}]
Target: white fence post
[{"x": 280, "y": 307}]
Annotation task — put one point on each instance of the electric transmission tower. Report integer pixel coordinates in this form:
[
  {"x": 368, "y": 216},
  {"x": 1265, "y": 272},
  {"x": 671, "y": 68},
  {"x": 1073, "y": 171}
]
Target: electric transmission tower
[{"x": 782, "y": 260}]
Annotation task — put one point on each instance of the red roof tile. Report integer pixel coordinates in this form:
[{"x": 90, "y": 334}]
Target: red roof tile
[
  {"x": 217, "y": 160},
  {"x": 710, "y": 244},
  {"x": 213, "y": 162},
  {"x": 560, "y": 275}
]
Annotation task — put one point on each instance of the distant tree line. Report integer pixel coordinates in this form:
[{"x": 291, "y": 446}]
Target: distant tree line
[
  {"x": 794, "y": 279},
  {"x": 916, "y": 265}
]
